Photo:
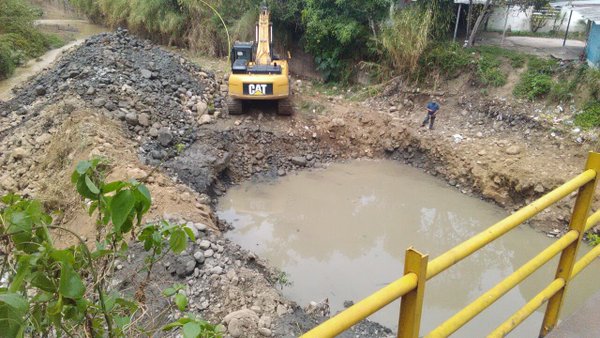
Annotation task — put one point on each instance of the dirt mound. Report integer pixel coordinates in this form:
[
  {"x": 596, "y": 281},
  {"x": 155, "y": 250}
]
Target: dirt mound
[{"x": 160, "y": 95}]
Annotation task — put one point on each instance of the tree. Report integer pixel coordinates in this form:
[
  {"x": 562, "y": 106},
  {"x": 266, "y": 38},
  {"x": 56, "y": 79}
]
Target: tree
[{"x": 338, "y": 31}]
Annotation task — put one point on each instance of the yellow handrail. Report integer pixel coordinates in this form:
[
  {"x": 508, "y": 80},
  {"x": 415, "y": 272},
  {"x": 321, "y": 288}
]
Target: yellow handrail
[{"x": 567, "y": 269}]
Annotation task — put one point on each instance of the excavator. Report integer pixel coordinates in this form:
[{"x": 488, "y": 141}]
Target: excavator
[{"x": 257, "y": 73}]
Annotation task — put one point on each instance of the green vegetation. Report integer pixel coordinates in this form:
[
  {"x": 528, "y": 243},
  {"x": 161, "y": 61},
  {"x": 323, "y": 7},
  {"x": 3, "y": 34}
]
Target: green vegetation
[
  {"x": 594, "y": 239},
  {"x": 60, "y": 292},
  {"x": 19, "y": 39},
  {"x": 537, "y": 81},
  {"x": 489, "y": 73},
  {"x": 590, "y": 116}
]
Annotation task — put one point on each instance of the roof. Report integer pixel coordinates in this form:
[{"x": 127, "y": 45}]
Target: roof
[{"x": 588, "y": 9}]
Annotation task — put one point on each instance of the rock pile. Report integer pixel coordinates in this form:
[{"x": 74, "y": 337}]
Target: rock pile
[{"x": 158, "y": 94}]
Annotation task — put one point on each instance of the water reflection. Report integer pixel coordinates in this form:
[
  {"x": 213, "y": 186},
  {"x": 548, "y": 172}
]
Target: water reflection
[{"x": 342, "y": 232}]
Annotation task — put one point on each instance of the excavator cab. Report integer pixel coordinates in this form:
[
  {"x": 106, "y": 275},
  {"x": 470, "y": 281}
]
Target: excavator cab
[
  {"x": 257, "y": 73},
  {"x": 241, "y": 56}
]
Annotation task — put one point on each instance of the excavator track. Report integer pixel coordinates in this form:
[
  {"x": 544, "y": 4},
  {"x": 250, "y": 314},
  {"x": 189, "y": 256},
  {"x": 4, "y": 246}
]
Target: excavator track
[
  {"x": 234, "y": 106},
  {"x": 285, "y": 107}
]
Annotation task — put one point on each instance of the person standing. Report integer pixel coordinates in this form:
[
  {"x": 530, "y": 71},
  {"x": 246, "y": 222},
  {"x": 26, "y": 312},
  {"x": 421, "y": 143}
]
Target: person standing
[{"x": 432, "y": 109}]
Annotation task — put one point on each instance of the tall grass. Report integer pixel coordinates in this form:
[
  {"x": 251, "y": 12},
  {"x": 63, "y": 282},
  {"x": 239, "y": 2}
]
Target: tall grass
[
  {"x": 19, "y": 39},
  {"x": 187, "y": 23},
  {"x": 406, "y": 37}
]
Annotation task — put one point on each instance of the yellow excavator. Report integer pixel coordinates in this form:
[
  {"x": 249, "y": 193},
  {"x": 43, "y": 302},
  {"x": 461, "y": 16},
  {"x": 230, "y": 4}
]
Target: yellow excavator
[{"x": 257, "y": 73}]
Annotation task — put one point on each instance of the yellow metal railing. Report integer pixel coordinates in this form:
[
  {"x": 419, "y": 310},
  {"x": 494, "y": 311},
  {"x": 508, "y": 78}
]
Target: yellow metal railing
[{"x": 417, "y": 270}]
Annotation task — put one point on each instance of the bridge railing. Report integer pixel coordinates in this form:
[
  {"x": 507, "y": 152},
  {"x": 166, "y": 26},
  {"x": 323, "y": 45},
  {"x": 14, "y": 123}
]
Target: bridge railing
[{"x": 418, "y": 269}]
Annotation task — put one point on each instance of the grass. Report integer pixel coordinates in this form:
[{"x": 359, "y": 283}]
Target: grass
[
  {"x": 537, "y": 81},
  {"x": 517, "y": 60},
  {"x": 590, "y": 116},
  {"x": 19, "y": 39},
  {"x": 489, "y": 73}
]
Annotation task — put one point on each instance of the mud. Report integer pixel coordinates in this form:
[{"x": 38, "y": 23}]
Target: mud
[{"x": 340, "y": 233}]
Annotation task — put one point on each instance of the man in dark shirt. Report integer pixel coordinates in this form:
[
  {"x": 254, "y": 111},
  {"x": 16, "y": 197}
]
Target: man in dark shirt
[{"x": 432, "y": 109}]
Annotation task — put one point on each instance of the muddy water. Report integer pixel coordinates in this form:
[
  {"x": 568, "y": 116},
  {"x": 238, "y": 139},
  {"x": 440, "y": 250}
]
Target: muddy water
[
  {"x": 341, "y": 233},
  {"x": 70, "y": 28}
]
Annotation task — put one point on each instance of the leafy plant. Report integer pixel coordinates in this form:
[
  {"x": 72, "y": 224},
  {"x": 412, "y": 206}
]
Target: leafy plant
[
  {"x": 590, "y": 116},
  {"x": 594, "y": 239},
  {"x": 63, "y": 292},
  {"x": 283, "y": 279},
  {"x": 537, "y": 81},
  {"x": 489, "y": 73},
  {"x": 190, "y": 325},
  {"x": 160, "y": 239}
]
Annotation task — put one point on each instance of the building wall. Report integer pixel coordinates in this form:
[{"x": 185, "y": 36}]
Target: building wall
[
  {"x": 593, "y": 46},
  {"x": 518, "y": 21}
]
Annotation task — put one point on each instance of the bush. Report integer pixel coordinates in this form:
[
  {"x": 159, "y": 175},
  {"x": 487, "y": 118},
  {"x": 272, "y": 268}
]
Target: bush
[
  {"x": 541, "y": 66},
  {"x": 537, "y": 81},
  {"x": 447, "y": 58},
  {"x": 592, "y": 79},
  {"x": 488, "y": 72},
  {"x": 561, "y": 92},
  {"x": 533, "y": 86},
  {"x": 19, "y": 39},
  {"x": 590, "y": 116}
]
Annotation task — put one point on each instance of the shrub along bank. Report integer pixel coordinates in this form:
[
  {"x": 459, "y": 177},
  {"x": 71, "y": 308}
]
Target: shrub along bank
[{"x": 19, "y": 39}]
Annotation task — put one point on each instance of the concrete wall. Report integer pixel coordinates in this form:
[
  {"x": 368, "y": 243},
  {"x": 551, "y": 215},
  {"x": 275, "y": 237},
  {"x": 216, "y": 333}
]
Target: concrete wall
[
  {"x": 593, "y": 46},
  {"x": 518, "y": 20}
]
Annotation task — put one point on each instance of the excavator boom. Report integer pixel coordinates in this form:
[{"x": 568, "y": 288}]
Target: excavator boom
[{"x": 257, "y": 73}]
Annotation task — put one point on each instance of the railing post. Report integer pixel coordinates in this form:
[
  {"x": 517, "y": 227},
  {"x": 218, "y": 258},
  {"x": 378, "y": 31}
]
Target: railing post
[
  {"x": 569, "y": 254},
  {"x": 411, "y": 305}
]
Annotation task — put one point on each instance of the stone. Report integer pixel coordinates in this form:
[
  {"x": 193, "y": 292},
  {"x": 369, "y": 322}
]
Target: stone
[
  {"x": 91, "y": 91},
  {"x": 338, "y": 122},
  {"x": 241, "y": 322},
  {"x": 153, "y": 132},
  {"x": 539, "y": 188},
  {"x": 193, "y": 229},
  {"x": 209, "y": 253},
  {"x": 217, "y": 270},
  {"x": 8, "y": 183},
  {"x": 131, "y": 118},
  {"x": 201, "y": 107},
  {"x": 146, "y": 74},
  {"x": 158, "y": 154},
  {"x": 201, "y": 226},
  {"x": 185, "y": 266},
  {"x": 513, "y": 150},
  {"x": 281, "y": 310},
  {"x": 265, "y": 321},
  {"x": 99, "y": 102},
  {"x": 205, "y": 119},
  {"x": 40, "y": 90},
  {"x": 204, "y": 244},
  {"x": 165, "y": 137},
  {"x": 110, "y": 105},
  {"x": 20, "y": 153},
  {"x": 281, "y": 172},
  {"x": 144, "y": 120},
  {"x": 299, "y": 160},
  {"x": 199, "y": 257},
  {"x": 265, "y": 332}
]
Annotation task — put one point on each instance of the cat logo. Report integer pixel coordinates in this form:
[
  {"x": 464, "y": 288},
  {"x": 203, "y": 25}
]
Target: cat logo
[{"x": 257, "y": 89}]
